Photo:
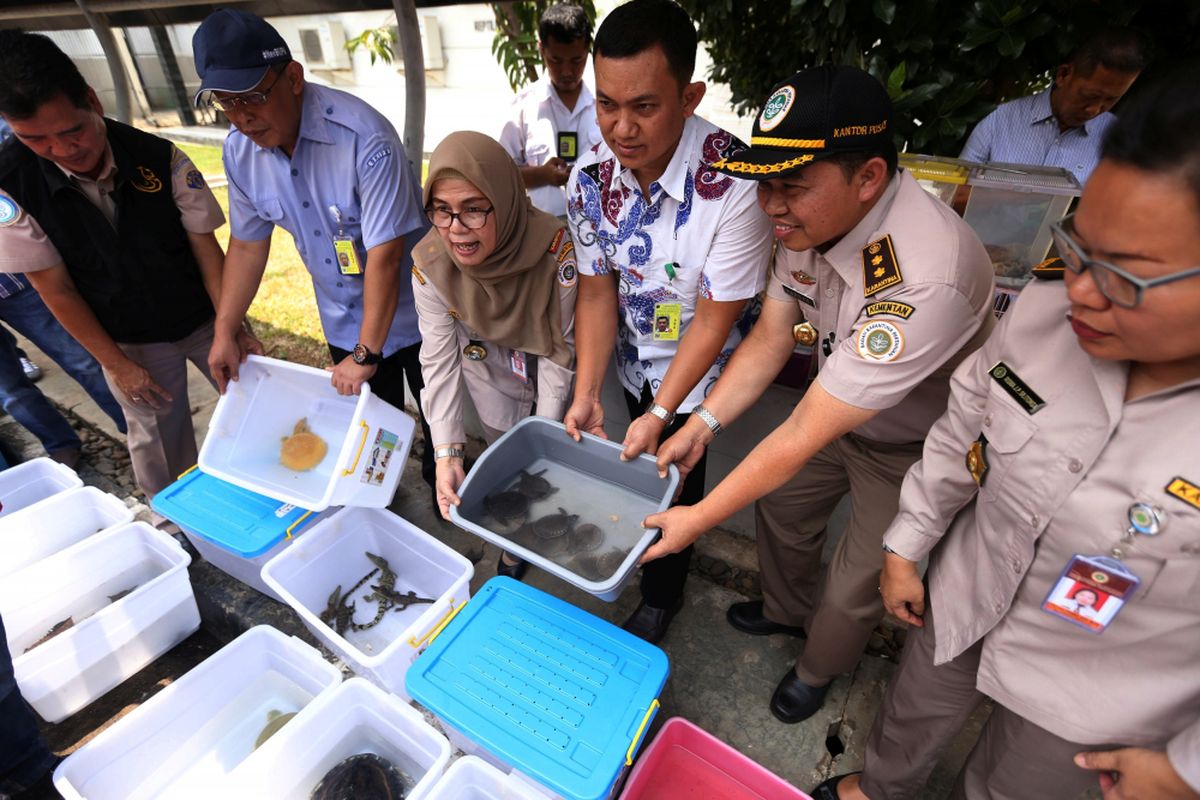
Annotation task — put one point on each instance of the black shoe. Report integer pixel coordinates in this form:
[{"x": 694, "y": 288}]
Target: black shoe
[
  {"x": 795, "y": 701},
  {"x": 828, "y": 789},
  {"x": 748, "y": 618},
  {"x": 515, "y": 571},
  {"x": 650, "y": 623}
]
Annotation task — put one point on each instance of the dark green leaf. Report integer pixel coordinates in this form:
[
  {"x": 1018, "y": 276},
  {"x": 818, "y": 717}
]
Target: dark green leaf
[{"x": 885, "y": 10}]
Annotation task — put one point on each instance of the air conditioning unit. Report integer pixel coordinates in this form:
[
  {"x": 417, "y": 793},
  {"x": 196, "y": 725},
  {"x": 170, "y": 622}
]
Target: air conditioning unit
[
  {"x": 431, "y": 43},
  {"x": 324, "y": 46}
]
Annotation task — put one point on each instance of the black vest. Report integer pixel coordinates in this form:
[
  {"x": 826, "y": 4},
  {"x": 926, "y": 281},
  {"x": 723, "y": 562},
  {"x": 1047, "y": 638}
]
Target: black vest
[{"x": 140, "y": 279}]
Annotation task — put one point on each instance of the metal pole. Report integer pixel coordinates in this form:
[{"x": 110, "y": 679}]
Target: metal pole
[
  {"x": 109, "y": 44},
  {"x": 414, "y": 81},
  {"x": 166, "y": 57}
]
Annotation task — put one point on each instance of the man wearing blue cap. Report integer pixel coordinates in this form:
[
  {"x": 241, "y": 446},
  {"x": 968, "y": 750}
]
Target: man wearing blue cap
[
  {"x": 893, "y": 290},
  {"x": 331, "y": 171}
]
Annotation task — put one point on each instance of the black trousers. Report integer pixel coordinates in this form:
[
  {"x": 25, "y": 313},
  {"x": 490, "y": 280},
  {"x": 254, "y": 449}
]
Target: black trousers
[
  {"x": 402, "y": 366},
  {"x": 663, "y": 578}
]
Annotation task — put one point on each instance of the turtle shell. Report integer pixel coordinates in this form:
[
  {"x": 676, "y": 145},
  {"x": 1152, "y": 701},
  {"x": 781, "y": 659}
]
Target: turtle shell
[
  {"x": 585, "y": 538},
  {"x": 552, "y": 526},
  {"x": 507, "y": 507},
  {"x": 303, "y": 450},
  {"x": 365, "y": 775},
  {"x": 534, "y": 486}
]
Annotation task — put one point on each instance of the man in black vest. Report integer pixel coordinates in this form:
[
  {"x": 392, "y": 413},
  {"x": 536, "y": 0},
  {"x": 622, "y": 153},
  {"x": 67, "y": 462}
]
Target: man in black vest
[{"x": 114, "y": 228}]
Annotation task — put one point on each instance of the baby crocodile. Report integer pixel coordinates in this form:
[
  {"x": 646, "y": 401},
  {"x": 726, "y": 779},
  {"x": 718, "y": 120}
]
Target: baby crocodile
[
  {"x": 552, "y": 526},
  {"x": 534, "y": 486},
  {"x": 402, "y": 601},
  {"x": 379, "y": 593}
]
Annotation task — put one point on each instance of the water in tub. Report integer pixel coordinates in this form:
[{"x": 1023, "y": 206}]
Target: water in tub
[{"x": 616, "y": 510}]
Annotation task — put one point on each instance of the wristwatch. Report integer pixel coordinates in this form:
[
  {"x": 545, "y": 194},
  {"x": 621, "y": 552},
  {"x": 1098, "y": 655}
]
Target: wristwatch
[
  {"x": 654, "y": 409},
  {"x": 708, "y": 419},
  {"x": 448, "y": 452},
  {"x": 363, "y": 356}
]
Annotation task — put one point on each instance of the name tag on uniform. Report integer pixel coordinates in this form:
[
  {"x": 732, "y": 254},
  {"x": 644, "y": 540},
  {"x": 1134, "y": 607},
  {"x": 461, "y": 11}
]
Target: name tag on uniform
[
  {"x": 347, "y": 255},
  {"x": 799, "y": 295},
  {"x": 568, "y": 145},
  {"x": 516, "y": 361},
  {"x": 666, "y": 321},
  {"x": 1091, "y": 591}
]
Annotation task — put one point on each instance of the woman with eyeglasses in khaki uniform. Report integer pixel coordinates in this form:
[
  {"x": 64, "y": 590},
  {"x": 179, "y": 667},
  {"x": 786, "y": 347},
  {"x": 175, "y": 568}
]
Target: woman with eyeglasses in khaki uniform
[
  {"x": 494, "y": 285},
  {"x": 1067, "y": 465}
]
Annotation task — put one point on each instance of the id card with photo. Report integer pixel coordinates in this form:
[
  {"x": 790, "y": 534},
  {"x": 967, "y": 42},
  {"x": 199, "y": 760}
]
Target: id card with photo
[
  {"x": 516, "y": 360},
  {"x": 347, "y": 256},
  {"x": 568, "y": 145},
  {"x": 666, "y": 321},
  {"x": 1091, "y": 591}
]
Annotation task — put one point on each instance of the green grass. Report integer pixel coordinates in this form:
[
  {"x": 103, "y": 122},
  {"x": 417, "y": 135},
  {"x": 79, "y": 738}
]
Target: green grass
[{"x": 284, "y": 312}]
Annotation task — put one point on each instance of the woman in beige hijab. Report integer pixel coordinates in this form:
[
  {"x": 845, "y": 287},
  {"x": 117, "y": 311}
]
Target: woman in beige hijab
[{"x": 494, "y": 284}]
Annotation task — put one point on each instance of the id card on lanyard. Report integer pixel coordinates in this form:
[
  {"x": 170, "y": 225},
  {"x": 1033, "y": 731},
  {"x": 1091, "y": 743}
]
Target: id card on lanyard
[
  {"x": 343, "y": 246},
  {"x": 1091, "y": 591}
]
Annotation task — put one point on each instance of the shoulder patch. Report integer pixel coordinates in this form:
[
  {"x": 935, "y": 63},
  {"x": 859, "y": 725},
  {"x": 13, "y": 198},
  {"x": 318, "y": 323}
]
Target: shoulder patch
[
  {"x": 1049, "y": 270},
  {"x": 1185, "y": 490},
  {"x": 880, "y": 341},
  {"x": 194, "y": 179},
  {"x": 568, "y": 274},
  {"x": 557, "y": 240},
  {"x": 880, "y": 268},
  {"x": 418, "y": 275},
  {"x": 378, "y": 155},
  {"x": 892, "y": 307},
  {"x": 10, "y": 212}
]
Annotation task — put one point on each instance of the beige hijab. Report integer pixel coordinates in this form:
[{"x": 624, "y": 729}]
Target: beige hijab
[{"x": 512, "y": 297}]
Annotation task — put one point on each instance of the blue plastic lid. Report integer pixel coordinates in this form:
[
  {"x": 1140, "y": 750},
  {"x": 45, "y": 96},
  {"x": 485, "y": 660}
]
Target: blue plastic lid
[
  {"x": 236, "y": 519},
  {"x": 557, "y": 693}
]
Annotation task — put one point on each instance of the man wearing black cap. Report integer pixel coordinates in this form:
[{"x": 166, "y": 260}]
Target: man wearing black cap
[
  {"x": 332, "y": 171},
  {"x": 894, "y": 290}
]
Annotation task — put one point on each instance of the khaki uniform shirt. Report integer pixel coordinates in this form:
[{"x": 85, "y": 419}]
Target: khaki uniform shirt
[
  {"x": 500, "y": 397},
  {"x": 897, "y": 303},
  {"x": 1060, "y": 481},
  {"x": 24, "y": 246}
]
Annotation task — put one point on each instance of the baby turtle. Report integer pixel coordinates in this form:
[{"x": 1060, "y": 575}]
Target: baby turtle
[
  {"x": 507, "y": 508},
  {"x": 550, "y": 548},
  {"x": 276, "y": 719},
  {"x": 552, "y": 526},
  {"x": 534, "y": 486},
  {"x": 365, "y": 775},
  {"x": 303, "y": 450},
  {"x": 599, "y": 567},
  {"x": 585, "y": 538},
  {"x": 524, "y": 537}
]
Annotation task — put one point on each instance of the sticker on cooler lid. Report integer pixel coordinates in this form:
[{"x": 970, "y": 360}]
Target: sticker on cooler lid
[
  {"x": 380, "y": 458},
  {"x": 284, "y": 510}
]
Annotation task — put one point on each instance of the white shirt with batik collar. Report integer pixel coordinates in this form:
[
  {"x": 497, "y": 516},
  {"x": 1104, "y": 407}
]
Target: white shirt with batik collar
[{"x": 706, "y": 225}]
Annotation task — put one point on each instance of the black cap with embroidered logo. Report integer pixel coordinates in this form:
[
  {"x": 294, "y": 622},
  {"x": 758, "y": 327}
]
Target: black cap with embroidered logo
[
  {"x": 234, "y": 49},
  {"x": 814, "y": 114}
]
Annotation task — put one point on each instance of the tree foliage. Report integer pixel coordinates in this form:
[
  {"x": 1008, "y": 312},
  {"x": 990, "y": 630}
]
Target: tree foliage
[
  {"x": 946, "y": 63},
  {"x": 380, "y": 43},
  {"x": 515, "y": 44}
]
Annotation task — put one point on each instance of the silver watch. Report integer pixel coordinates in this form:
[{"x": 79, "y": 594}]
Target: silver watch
[
  {"x": 708, "y": 419},
  {"x": 448, "y": 452},
  {"x": 656, "y": 410}
]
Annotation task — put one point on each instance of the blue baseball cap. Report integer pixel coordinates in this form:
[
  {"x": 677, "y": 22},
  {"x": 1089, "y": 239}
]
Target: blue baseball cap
[{"x": 233, "y": 50}]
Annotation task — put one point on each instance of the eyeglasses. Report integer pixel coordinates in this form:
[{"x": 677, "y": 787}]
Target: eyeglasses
[
  {"x": 1116, "y": 284},
  {"x": 236, "y": 101},
  {"x": 472, "y": 219}
]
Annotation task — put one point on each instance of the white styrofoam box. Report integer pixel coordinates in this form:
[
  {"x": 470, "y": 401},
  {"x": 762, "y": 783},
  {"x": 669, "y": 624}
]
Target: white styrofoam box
[
  {"x": 333, "y": 554},
  {"x": 195, "y": 736},
  {"x": 472, "y": 778},
  {"x": 111, "y": 640},
  {"x": 59, "y": 521},
  {"x": 33, "y": 481},
  {"x": 356, "y": 717},
  {"x": 368, "y": 438}
]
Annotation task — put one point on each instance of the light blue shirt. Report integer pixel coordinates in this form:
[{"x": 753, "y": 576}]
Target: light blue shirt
[
  {"x": 350, "y": 156},
  {"x": 1024, "y": 131}
]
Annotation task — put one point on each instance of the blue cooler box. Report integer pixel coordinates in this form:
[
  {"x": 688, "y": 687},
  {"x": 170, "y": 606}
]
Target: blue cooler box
[
  {"x": 234, "y": 529},
  {"x": 531, "y": 682}
]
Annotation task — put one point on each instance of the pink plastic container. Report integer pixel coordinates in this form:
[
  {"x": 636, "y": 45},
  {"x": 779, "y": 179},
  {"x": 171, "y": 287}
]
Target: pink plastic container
[{"x": 685, "y": 762}]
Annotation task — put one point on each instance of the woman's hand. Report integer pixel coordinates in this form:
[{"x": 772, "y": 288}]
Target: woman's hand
[
  {"x": 902, "y": 589},
  {"x": 450, "y": 476}
]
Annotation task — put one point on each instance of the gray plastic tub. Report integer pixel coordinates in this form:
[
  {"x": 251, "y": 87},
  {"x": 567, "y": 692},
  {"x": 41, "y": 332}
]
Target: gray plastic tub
[{"x": 590, "y": 484}]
